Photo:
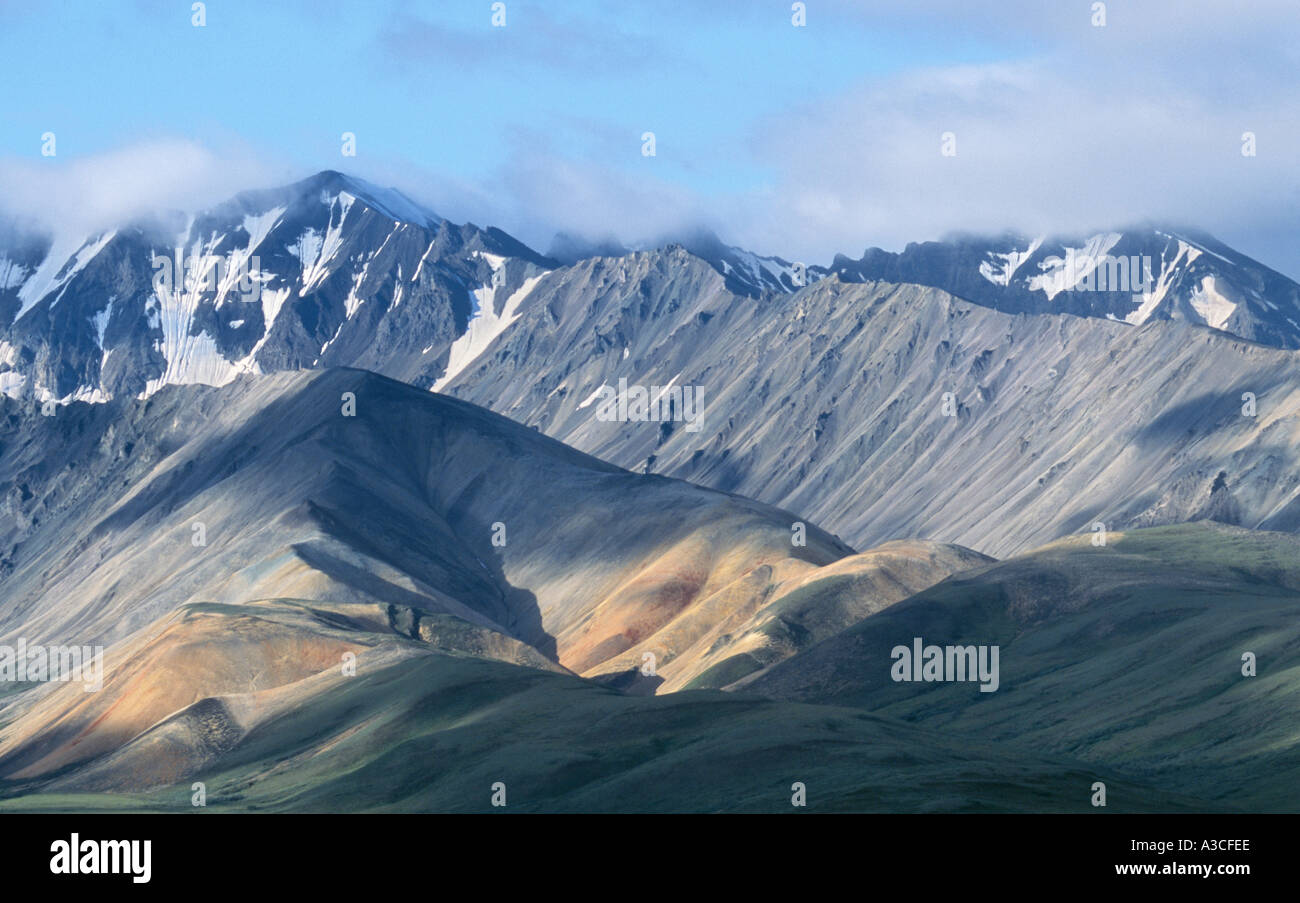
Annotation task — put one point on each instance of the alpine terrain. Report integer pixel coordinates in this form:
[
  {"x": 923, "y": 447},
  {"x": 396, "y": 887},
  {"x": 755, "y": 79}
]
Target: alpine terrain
[{"x": 332, "y": 504}]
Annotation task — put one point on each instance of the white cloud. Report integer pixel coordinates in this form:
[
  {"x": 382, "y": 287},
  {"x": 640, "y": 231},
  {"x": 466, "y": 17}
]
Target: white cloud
[
  {"x": 1036, "y": 150},
  {"x": 89, "y": 193}
]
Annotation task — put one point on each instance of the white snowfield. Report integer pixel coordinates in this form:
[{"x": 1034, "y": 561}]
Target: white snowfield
[{"x": 485, "y": 324}]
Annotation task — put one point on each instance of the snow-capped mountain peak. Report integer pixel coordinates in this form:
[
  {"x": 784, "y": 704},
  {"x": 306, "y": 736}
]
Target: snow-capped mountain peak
[
  {"x": 1132, "y": 275},
  {"x": 335, "y": 271},
  {"x": 330, "y": 269}
]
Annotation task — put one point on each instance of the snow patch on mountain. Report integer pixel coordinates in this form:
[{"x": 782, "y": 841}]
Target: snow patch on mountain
[
  {"x": 672, "y": 382},
  {"x": 314, "y": 251},
  {"x": 763, "y": 271},
  {"x": 330, "y": 341},
  {"x": 1213, "y": 306},
  {"x": 194, "y": 357},
  {"x": 191, "y": 358},
  {"x": 495, "y": 261},
  {"x": 485, "y": 324},
  {"x": 1000, "y": 268},
  {"x": 591, "y": 399},
  {"x": 1168, "y": 271},
  {"x": 307, "y": 249},
  {"x": 101, "y": 321},
  {"x": 1063, "y": 274},
  {"x": 12, "y": 382},
  {"x": 272, "y": 302},
  {"x": 352, "y": 303},
  {"x": 419, "y": 267},
  {"x": 258, "y": 226},
  {"x": 239, "y": 266},
  {"x": 67, "y": 256},
  {"x": 86, "y": 394}
]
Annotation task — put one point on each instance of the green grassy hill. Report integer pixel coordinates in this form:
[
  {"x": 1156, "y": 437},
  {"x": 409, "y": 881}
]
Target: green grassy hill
[{"x": 1128, "y": 654}]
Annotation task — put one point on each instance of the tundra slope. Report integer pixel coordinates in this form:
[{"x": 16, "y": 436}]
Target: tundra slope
[
  {"x": 1132, "y": 654},
  {"x": 230, "y": 546},
  {"x": 431, "y": 732}
]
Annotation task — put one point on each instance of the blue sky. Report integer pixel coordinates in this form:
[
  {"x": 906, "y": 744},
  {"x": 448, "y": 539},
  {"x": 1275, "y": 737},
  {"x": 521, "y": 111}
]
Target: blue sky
[
  {"x": 800, "y": 141},
  {"x": 437, "y": 83}
]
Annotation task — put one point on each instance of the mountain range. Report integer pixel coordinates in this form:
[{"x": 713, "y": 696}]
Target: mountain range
[
  {"x": 827, "y": 398},
  {"x": 340, "y": 272},
  {"x": 335, "y": 483}
]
